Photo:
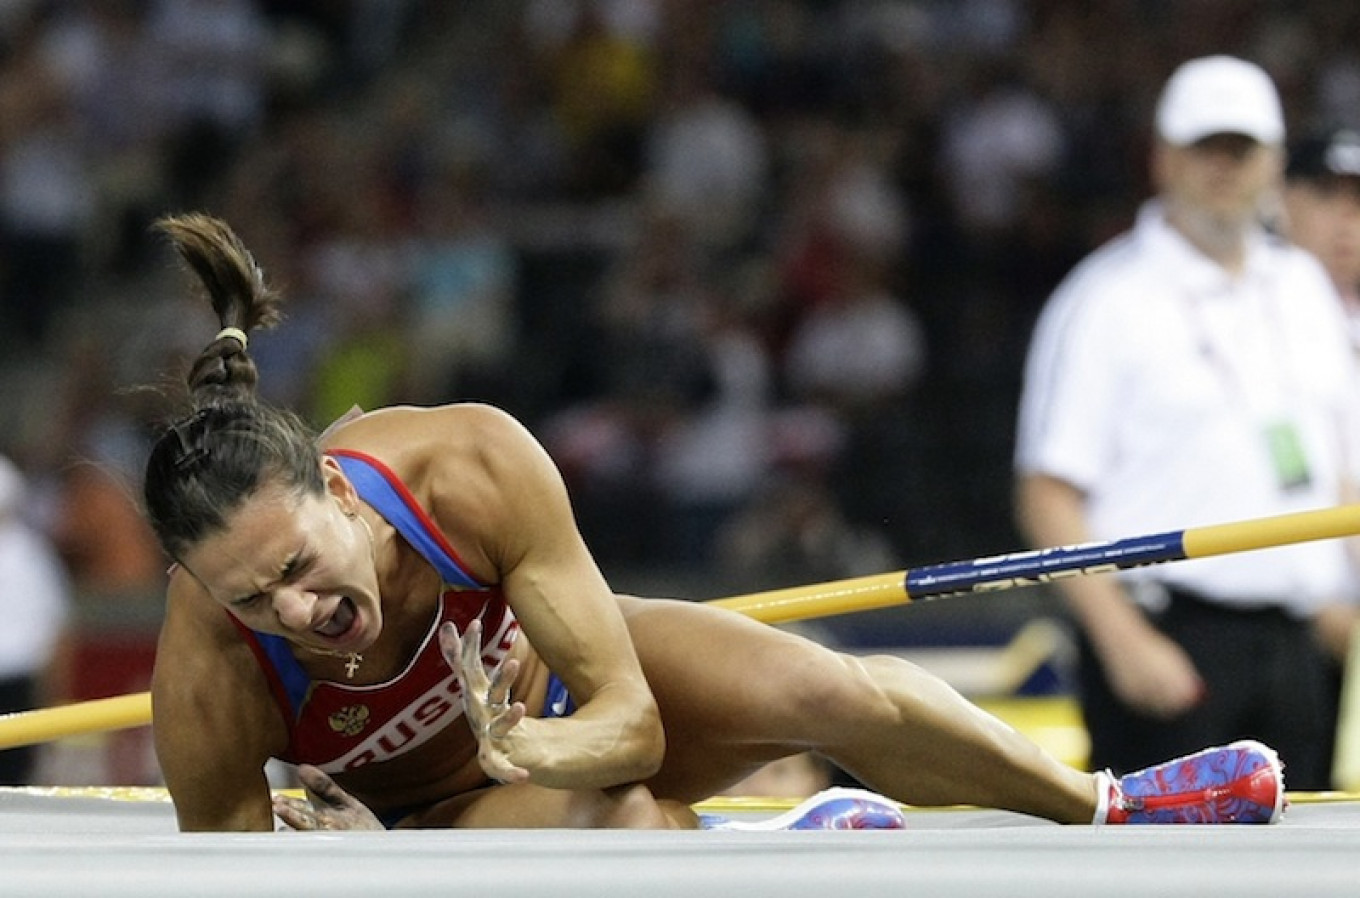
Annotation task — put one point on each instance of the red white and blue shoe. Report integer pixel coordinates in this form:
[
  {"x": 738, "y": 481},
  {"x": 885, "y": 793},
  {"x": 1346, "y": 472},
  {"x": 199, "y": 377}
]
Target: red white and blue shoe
[
  {"x": 834, "y": 808},
  {"x": 1238, "y": 783}
]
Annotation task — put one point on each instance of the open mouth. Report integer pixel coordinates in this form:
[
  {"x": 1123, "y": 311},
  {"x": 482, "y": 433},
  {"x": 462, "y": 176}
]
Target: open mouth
[{"x": 340, "y": 622}]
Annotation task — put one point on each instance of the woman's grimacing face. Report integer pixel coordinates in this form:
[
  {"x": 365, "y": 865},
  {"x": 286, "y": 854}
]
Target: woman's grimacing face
[{"x": 298, "y": 566}]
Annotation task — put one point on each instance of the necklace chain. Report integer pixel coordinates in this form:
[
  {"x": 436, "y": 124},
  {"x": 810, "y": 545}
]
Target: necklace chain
[
  {"x": 372, "y": 547},
  {"x": 352, "y": 659}
]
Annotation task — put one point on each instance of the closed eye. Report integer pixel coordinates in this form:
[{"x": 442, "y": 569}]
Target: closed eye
[
  {"x": 292, "y": 568},
  {"x": 297, "y": 566}
]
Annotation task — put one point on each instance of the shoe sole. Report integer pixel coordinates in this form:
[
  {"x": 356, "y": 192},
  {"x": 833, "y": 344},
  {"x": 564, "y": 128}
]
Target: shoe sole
[{"x": 802, "y": 809}]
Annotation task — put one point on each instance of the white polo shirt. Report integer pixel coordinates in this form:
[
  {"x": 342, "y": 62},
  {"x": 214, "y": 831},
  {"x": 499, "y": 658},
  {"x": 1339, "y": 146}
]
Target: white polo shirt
[
  {"x": 34, "y": 592},
  {"x": 1152, "y": 379}
]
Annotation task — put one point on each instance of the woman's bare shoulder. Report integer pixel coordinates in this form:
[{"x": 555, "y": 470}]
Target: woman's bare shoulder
[
  {"x": 442, "y": 426},
  {"x": 462, "y": 462}
]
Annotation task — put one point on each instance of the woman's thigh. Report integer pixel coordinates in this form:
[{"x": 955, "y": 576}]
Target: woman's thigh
[{"x": 735, "y": 693}]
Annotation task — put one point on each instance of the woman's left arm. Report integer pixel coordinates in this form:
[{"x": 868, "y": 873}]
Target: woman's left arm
[{"x": 565, "y": 607}]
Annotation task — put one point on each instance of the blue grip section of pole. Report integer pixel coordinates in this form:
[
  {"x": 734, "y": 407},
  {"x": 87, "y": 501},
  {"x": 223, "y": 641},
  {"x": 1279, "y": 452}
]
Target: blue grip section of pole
[{"x": 1043, "y": 565}]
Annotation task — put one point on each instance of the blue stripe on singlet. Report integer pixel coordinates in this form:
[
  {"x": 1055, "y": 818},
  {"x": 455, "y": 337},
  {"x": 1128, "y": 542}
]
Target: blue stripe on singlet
[
  {"x": 296, "y": 683},
  {"x": 376, "y": 487},
  {"x": 557, "y": 702}
]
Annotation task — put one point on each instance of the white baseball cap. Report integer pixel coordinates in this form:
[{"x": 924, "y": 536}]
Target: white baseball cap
[{"x": 1219, "y": 95}]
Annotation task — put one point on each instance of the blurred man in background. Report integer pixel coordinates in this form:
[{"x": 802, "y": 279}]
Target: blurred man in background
[{"x": 1191, "y": 372}]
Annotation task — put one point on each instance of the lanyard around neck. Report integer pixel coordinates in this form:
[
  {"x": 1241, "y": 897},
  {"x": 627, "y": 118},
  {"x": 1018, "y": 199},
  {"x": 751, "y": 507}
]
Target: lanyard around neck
[{"x": 1259, "y": 312}]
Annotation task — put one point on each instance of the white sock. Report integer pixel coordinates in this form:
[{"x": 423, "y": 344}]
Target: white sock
[{"x": 1105, "y": 788}]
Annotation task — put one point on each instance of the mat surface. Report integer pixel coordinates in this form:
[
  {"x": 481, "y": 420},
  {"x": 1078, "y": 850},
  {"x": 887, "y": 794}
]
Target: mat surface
[{"x": 75, "y": 844}]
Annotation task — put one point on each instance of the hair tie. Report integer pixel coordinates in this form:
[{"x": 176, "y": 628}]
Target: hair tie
[
  {"x": 234, "y": 333},
  {"x": 192, "y": 447}
]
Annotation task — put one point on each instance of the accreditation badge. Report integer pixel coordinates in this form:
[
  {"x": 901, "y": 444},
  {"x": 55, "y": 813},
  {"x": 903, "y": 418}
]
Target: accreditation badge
[{"x": 1287, "y": 456}]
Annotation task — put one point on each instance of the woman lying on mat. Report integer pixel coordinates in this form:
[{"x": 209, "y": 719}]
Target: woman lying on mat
[{"x": 406, "y": 604}]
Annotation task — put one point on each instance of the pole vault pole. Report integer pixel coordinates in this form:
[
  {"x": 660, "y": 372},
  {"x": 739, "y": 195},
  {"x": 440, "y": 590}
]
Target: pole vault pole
[
  {"x": 1036, "y": 566},
  {"x": 978, "y": 575}
]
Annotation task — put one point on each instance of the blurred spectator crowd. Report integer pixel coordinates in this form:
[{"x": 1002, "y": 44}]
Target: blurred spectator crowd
[{"x": 760, "y": 274}]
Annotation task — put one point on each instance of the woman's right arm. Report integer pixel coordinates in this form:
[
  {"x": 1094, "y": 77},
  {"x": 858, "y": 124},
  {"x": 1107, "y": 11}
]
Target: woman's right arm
[{"x": 214, "y": 720}]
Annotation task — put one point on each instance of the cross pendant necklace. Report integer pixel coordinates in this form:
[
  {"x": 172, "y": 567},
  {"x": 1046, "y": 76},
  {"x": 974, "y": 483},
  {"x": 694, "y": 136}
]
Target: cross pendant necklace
[
  {"x": 355, "y": 659},
  {"x": 352, "y": 660}
]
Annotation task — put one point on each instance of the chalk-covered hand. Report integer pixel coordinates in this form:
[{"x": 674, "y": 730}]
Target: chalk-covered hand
[
  {"x": 327, "y": 807},
  {"x": 493, "y": 718}
]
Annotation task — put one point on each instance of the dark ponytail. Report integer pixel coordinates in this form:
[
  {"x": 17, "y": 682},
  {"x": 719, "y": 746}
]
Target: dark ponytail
[
  {"x": 231, "y": 443},
  {"x": 236, "y": 287}
]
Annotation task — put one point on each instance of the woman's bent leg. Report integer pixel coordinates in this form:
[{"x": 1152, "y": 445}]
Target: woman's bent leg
[
  {"x": 734, "y": 692},
  {"x": 923, "y": 742}
]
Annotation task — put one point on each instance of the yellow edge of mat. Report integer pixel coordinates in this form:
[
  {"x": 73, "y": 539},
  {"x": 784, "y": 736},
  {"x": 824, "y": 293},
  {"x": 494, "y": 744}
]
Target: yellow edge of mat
[{"x": 717, "y": 805}]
